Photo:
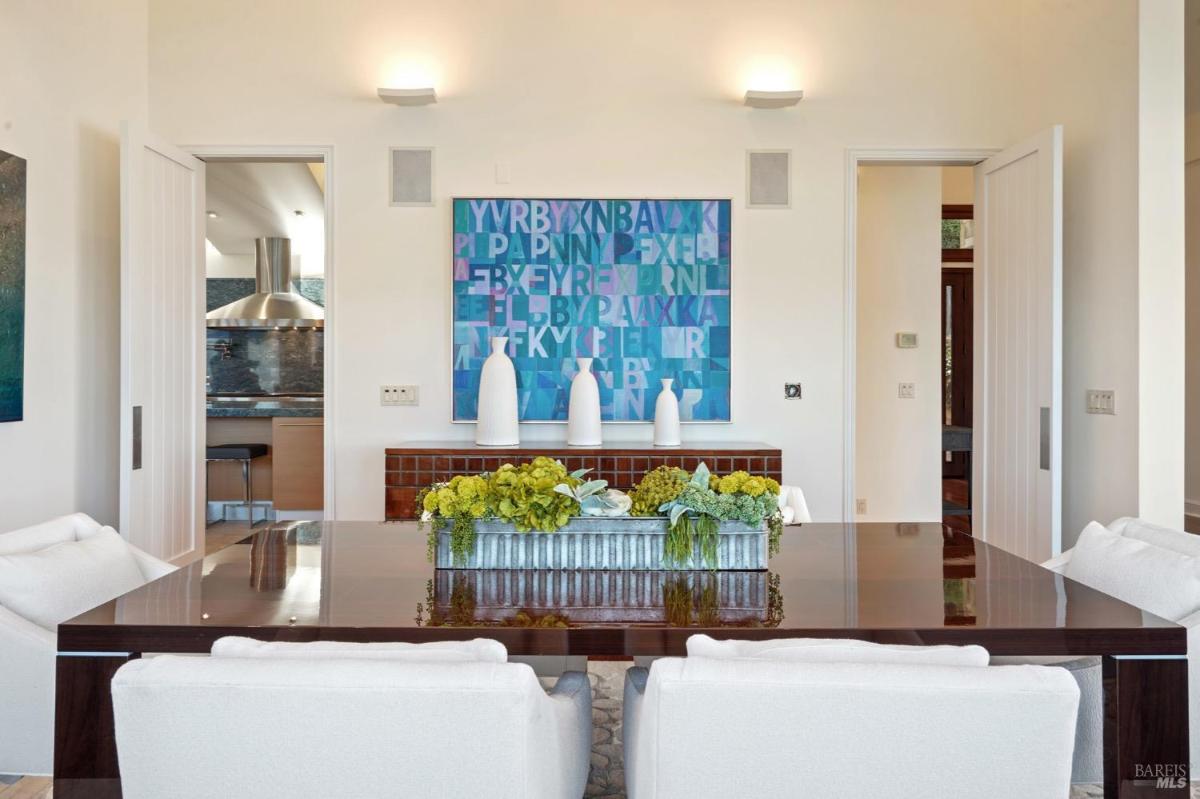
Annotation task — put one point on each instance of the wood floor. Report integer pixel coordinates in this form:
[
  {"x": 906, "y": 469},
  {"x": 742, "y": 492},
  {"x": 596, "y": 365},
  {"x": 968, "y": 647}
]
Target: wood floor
[{"x": 27, "y": 788}]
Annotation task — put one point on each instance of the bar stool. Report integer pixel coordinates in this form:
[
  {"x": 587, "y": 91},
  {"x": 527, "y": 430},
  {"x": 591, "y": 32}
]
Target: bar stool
[{"x": 236, "y": 452}]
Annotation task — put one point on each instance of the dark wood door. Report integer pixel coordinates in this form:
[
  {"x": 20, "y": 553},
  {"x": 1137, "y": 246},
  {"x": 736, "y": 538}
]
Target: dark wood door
[{"x": 957, "y": 355}]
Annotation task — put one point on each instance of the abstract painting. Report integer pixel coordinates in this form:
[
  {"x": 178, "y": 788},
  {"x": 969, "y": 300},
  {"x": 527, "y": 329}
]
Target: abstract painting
[
  {"x": 12, "y": 287},
  {"x": 640, "y": 286}
]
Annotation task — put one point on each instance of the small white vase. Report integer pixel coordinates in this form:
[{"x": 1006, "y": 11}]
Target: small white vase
[
  {"x": 666, "y": 416},
  {"x": 583, "y": 411},
  {"x": 496, "y": 415}
]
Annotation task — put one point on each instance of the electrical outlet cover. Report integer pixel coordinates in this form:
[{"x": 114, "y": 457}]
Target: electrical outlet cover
[{"x": 908, "y": 391}]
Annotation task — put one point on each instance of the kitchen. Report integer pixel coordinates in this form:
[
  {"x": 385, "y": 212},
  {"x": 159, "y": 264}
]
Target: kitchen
[{"x": 265, "y": 280}]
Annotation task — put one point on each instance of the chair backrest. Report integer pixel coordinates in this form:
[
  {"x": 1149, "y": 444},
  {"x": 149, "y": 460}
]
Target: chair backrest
[
  {"x": 193, "y": 727},
  {"x": 40, "y": 536},
  {"x": 717, "y": 728},
  {"x": 1157, "y": 535}
]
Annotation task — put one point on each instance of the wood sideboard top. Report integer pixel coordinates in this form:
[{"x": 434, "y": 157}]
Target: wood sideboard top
[{"x": 556, "y": 447}]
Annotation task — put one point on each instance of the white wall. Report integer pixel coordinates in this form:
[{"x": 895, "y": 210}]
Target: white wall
[
  {"x": 627, "y": 99},
  {"x": 1078, "y": 67},
  {"x": 69, "y": 72},
  {"x": 1161, "y": 270},
  {"x": 898, "y": 468}
]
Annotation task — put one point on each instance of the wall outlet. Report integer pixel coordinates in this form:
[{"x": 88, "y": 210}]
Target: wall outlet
[
  {"x": 1099, "y": 401},
  {"x": 791, "y": 391},
  {"x": 860, "y": 507},
  {"x": 908, "y": 391},
  {"x": 398, "y": 395}
]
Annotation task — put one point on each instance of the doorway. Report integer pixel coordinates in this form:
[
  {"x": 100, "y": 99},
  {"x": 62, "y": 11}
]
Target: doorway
[
  {"x": 268, "y": 243},
  {"x": 914, "y": 343},
  {"x": 1016, "y": 439}
]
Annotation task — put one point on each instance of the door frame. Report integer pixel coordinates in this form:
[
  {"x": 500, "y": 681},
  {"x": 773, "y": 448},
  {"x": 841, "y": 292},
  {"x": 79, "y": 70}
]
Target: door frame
[
  {"x": 876, "y": 156},
  {"x": 324, "y": 152}
]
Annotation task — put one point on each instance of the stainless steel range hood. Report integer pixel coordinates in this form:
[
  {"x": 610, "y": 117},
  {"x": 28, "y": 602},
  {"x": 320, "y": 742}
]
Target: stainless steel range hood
[{"x": 274, "y": 303}]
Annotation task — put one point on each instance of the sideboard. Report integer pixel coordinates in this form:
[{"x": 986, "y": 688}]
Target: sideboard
[{"x": 414, "y": 465}]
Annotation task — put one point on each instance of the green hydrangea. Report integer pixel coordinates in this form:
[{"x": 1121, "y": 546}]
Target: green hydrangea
[
  {"x": 524, "y": 495},
  {"x": 657, "y": 488}
]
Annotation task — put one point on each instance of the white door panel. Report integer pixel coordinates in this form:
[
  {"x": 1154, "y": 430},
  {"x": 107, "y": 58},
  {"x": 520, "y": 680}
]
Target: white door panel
[
  {"x": 1017, "y": 501},
  {"x": 162, "y": 347}
]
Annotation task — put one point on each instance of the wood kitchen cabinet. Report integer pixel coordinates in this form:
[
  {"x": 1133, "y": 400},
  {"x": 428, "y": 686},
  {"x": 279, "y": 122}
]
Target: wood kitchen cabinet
[{"x": 298, "y": 474}]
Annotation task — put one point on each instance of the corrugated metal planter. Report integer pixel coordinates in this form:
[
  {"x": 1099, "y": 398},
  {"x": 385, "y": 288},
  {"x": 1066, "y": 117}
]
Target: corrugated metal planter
[
  {"x": 603, "y": 597},
  {"x": 590, "y": 542}
]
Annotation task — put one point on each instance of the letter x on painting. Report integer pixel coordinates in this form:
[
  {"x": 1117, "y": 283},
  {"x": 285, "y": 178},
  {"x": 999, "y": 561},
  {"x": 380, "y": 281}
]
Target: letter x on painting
[{"x": 641, "y": 286}]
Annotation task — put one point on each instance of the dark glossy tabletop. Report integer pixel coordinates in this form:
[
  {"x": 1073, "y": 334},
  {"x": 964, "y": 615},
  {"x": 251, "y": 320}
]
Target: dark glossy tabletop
[{"x": 899, "y": 583}]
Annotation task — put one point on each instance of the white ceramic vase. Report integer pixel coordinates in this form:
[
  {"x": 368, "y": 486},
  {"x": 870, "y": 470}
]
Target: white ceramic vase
[
  {"x": 583, "y": 411},
  {"x": 666, "y": 416},
  {"x": 496, "y": 417}
]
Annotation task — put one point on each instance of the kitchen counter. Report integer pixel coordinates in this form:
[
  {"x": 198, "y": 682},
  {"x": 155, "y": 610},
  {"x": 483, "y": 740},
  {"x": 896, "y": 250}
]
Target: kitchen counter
[{"x": 265, "y": 407}]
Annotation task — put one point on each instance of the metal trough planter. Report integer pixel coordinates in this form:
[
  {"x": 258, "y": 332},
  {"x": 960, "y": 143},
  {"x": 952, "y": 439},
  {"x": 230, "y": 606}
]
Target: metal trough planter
[{"x": 591, "y": 542}]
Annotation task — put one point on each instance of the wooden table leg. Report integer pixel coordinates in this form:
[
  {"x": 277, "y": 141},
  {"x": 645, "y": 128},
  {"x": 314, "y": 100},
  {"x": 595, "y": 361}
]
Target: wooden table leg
[
  {"x": 1145, "y": 727},
  {"x": 85, "y": 744}
]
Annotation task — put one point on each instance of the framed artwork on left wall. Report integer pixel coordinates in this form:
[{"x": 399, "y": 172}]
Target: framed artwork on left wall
[{"x": 12, "y": 287}]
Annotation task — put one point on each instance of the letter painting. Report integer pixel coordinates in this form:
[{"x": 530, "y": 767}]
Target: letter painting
[{"x": 640, "y": 286}]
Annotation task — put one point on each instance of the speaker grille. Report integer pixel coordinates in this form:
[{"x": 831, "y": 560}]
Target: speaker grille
[
  {"x": 412, "y": 176},
  {"x": 768, "y": 178}
]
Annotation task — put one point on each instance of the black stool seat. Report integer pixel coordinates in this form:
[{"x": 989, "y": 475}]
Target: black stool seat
[{"x": 235, "y": 452}]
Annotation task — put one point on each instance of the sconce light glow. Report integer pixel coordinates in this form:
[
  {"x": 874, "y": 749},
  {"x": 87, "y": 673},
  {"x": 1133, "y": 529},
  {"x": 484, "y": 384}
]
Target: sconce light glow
[{"x": 408, "y": 83}]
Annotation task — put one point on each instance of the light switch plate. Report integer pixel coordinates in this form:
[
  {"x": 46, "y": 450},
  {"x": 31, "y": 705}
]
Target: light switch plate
[
  {"x": 860, "y": 507},
  {"x": 503, "y": 172},
  {"x": 792, "y": 391},
  {"x": 398, "y": 395},
  {"x": 1102, "y": 401},
  {"x": 908, "y": 391},
  {"x": 906, "y": 341}
]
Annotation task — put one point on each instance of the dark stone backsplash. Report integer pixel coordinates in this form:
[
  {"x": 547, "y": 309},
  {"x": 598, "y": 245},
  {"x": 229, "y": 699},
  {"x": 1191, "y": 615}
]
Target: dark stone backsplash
[
  {"x": 224, "y": 290},
  {"x": 266, "y": 361}
]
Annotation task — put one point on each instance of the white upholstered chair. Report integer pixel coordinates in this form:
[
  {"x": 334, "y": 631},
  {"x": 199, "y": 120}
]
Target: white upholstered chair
[
  {"x": 701, "y": 727},
  {"x": 49, "y": 573},
  {"x": 295, "y": 726},
  {"x": 1152, "y": 569}
]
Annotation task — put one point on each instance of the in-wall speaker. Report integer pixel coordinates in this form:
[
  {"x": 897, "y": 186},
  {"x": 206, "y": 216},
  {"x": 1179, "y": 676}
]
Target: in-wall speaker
[
  {"x": 412, "y": 176},
  {"x": 768, "y": 178}
]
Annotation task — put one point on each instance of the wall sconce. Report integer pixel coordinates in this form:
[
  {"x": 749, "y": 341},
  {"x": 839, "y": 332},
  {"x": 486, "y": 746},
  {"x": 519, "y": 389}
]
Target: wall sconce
[
  {"x": 408, "y": 96},
  {"x": 757, "y": 98}
]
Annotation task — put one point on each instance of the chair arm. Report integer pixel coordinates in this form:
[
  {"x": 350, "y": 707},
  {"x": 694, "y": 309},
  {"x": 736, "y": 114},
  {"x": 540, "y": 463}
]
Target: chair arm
[
  {"x": 151, "y": 567},
  {"x": 571, "y": 697},
  {"x": 27, "y": 654},
  {"x": 1058, "y": 563},
  {"x": 635, "y": 694}
]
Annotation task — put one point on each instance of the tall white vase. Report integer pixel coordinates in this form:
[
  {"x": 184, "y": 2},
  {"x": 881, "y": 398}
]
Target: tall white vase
[
  {"x": 496, "y": 418},
  {"x": 583, "y": 411},
  {"x": 666, "y": 416}
]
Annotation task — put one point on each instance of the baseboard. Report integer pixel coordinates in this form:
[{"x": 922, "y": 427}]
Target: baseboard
[{"x": 1191, "y": 507}]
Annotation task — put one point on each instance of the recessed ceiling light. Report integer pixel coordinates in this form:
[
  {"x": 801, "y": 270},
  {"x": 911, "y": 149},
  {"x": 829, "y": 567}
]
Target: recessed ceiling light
[{"x": 213, "y": 215}]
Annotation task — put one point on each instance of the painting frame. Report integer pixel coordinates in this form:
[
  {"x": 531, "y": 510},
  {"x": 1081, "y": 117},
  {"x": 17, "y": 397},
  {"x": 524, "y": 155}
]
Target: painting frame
[
  {"x": 729, "y": 210},
  {"x": 13, "y": 232}
]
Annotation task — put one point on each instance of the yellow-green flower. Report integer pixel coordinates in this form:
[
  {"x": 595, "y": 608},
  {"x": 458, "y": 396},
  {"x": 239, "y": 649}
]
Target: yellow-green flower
[{"x": 754, "y": 486}]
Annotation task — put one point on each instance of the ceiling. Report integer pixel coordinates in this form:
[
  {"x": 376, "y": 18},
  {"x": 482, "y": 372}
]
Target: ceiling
[{"x": 253, "y": 199}]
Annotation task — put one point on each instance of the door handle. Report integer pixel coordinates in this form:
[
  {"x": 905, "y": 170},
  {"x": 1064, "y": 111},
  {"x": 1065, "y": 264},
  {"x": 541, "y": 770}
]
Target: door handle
[
  {"x": 1044, "y": 440},
  {"x": 137, "y": 437}
]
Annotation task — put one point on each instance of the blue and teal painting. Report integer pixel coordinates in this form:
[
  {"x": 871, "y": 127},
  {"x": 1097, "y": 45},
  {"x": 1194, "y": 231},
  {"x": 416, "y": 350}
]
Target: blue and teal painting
[
  {"x": 12, "y": 287},
  {"x": 640, "y": 286}
]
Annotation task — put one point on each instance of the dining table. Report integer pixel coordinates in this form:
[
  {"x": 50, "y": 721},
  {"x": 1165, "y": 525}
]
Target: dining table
[{"x": 890, "y": 583}]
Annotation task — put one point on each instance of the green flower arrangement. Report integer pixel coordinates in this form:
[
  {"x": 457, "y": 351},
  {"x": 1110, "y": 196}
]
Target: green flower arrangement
[{"x": 542, "y": 496}]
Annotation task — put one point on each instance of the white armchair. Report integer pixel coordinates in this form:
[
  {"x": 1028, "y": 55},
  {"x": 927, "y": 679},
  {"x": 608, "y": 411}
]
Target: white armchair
[
  {"x": 28, "y": 649},
  {"x": 275, "y": 727},
  {"x": 704, "y": 727},
  {"x": 1139, "y": 590}
]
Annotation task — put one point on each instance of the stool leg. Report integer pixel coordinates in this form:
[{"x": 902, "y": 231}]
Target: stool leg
[{"x": 246, "y": 487}]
